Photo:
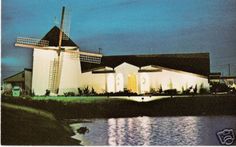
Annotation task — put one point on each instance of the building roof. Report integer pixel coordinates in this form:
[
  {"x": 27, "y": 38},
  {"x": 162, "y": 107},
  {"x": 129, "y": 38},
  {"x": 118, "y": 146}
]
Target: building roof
[
  {"x": 53, "y": 37},
  {"x": 223, "y": 77},
  {"x": 197, "y": 63},
  {"x": 18, "y": 77}
]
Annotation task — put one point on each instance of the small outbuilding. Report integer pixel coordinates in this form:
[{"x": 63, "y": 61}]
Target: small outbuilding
[{"x": 22, "y": 79}]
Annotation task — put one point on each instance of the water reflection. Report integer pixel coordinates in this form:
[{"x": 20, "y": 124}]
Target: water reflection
[
  {"x": 141, "y": 131},
  {"x": 155, "y": 130}
]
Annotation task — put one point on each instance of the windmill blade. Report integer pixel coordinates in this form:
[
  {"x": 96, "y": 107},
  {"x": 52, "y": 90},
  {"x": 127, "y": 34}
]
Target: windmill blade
[
  {"x": 66, "y": 24},
  {"x": 33, "y": 43},
  {"x": 87, "y": 56},
  {"x": 90, "y": 57}
]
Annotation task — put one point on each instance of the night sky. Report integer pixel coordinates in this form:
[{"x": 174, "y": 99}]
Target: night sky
[{"x": 125, "y": 27}]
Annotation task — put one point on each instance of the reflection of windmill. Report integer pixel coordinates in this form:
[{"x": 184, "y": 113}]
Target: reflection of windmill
[{"x": 44, "y": 44}]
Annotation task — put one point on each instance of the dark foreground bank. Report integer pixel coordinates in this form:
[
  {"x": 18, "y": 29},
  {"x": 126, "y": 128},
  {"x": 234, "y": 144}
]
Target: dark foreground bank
[
  {"x": 111, "y": 108},
  {"x": 26, "y": 127}
]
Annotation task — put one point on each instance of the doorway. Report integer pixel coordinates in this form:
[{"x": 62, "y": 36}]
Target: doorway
[{"x": 132, "y": 83}]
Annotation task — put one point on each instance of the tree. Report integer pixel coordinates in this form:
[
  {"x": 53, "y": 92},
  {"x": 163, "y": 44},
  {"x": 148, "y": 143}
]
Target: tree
[
  {"x": 195, "y": 89},
  {"x": 160, "y": 89}
]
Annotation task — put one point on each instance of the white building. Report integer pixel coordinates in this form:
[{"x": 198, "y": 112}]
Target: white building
[{"x": 137, "y": 73}]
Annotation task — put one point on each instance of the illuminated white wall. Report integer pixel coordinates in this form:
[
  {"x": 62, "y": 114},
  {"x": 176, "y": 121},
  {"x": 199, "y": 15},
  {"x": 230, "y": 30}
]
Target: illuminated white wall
[
  {"x": 176, "y": 79},
  {"x": 97, "y": 81},
  {"x": 119, "y": 82},
  {"x": 110, "y": 82},
  {"x": 70, "y": 73},
  {"x": 127, "y": 69},
  {"x": 144, "y": 82},
  {"x": 41, "y": 67}
]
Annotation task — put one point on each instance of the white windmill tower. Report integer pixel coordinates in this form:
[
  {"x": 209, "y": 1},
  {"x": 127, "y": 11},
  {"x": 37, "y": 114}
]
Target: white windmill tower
[{"x": 55, "y": 66}]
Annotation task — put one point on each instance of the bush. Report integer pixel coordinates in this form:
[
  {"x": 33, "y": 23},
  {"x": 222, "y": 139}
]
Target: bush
[
  {"x": 93, "y": 92},
  {"x": 170, "y": 91},
  {"x": 69, "y": 94},
  {"x": 80, "y": 92},
  {"x": 160, "y": 89},
  {"x": 86, "y": 91},
  {"x": 153, "y": 91},
  {"x": 47, "y": 92},
  {"x": 203, "y": 90},
  {"x": 195, "y": 89},
  {"x": 219, "y": 87},
  {"x": 120, "y": 93},
  {"x": 32, "y": 93}
]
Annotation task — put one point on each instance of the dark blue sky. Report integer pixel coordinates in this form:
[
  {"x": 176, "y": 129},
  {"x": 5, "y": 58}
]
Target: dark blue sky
[{"x": 126, "y": 27}]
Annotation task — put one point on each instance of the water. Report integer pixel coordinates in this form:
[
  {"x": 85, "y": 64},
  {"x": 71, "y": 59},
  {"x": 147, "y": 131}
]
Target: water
[{"x": 186, "y": 130}]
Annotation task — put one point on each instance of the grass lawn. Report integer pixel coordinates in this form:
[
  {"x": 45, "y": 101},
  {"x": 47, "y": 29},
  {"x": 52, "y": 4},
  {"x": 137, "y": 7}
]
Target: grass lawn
[{"x": 82, "y": 99}]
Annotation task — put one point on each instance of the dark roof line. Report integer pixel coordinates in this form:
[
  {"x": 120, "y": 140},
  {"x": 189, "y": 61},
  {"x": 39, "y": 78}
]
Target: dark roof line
[
  {"x": 25, "y": 69},
  {"x": 53, "y": 37},
  {"x": 187, "y": 55},
  {"x": 198, "y": 63},
  {"x": 13, "y": 75}
]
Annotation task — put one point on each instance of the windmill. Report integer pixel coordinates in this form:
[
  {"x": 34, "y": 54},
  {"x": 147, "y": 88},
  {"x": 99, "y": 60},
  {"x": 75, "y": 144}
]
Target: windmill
[{"x": 84, "y": 56}]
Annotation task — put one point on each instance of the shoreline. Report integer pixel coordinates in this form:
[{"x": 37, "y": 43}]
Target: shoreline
[
  {"x": 112, "y": 108},
  {"x": 62, "y": 113},
  {"x": 23, "y": 125}
]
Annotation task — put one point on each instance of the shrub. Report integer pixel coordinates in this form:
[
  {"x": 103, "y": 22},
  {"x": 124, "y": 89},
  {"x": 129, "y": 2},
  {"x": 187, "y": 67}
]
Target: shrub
[
  {"x": 47, "y": 92},
  {"x": 69, "y": 94},
  {"x": 80, "y": 92},
  {"x": 170, "y": 91},
  {"x": 32, "y": 93},
  {"x": 203, "y": 90},
  {"x": 86, "y": 91},
  {"x": 219, "y": 87},
  {"x": 195, "y": 89},
  {"x": 160, "y": 89},
  {"x": 93, "y": 92},
  {"x": 152, "y": 91}
]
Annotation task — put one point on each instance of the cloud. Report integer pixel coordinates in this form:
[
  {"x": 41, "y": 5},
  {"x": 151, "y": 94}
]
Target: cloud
[{"x": 10, "y": 61}]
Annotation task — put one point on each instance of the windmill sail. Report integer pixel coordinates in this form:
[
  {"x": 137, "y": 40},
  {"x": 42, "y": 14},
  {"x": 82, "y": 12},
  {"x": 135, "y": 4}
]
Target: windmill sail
[{"x": 66, "y": 25}]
